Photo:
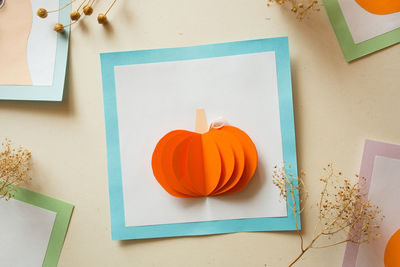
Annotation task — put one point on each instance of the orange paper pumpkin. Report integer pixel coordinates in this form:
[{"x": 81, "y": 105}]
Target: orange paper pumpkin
[
  {"x": 380, "y": 7},
  {"x": 208, "y": 162}
]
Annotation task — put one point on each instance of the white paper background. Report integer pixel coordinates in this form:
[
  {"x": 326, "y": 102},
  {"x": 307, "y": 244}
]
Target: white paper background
[
  {"x": 384, "y": 192},
  {"x": 25, "y": 233},
  {"x": 364, "y": 25},
  {"x": 42, "y": 44},
  {"x": 153, "y": 99}
]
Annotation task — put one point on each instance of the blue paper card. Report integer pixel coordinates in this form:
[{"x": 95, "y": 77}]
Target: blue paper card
[
  {"x": 150, "y": 92},
  {"x": 40, "y": 76}
]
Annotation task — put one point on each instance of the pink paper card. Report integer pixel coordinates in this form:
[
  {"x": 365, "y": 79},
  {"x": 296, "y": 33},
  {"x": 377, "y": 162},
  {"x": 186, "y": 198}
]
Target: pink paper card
[{"x": 381, "y": 167}]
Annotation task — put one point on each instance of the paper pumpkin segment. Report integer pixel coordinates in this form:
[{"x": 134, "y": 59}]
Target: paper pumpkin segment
[
  {"x": 380, "y": 7},
  {"x": 208, "y": 162},
  {"x": 392, "y": 251}
]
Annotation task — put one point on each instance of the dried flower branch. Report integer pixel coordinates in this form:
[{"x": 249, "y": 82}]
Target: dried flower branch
[
  {"x": 75, "y": 15},
  {"x": 300, "y": 7},
  {"x": 344, "y": 210},
  {"x": 14, "y": 168}
]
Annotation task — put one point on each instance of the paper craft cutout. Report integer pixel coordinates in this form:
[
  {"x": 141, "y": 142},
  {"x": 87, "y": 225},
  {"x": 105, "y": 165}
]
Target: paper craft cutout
[
  {"x": 218, "y": 161},
  {"x": 359, "y": 31},
  {"x": 249, "y": 80},
  {"x": 381, "y": 167},
  {"x": 28, "y": 58},
  {"x": 33, "y": 229},
  {"x": 380, "y": 7},
  {"x": 17, "y": 235},
  {"x": 33, "y": 56},
  {"x": 392, "y": 255},
  {"x": 14, "y": 40}
]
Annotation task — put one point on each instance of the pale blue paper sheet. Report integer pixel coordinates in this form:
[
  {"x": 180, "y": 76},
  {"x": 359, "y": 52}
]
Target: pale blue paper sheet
[
  {"x": 56, "y": 90},
  {"x": 109, "y": 60}
]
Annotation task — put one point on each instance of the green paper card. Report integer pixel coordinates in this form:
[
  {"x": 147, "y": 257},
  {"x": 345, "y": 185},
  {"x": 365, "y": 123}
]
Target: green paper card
[
  {"x": 359, "y": 31},
  {"x": 33, "y": 229}
]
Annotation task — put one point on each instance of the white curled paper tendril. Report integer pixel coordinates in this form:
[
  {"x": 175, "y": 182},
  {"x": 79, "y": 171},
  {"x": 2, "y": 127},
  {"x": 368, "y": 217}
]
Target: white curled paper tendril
[
  {"x": 218, "y": 123},
  {"x": 2, "y": 3}
]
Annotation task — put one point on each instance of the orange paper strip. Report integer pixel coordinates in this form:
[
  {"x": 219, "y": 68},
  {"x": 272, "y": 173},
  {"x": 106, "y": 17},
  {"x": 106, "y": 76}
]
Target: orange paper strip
[
  {"x": 233, "y": 169},
  {"x": 227, "y": 158},
  {"x": 204, "y": 164},
  {"x": 157, "y": 164},
  {"x": 180, "y": 162},
  {"x": 167, "y": 163},
  {"x": 250, "y": 155}
]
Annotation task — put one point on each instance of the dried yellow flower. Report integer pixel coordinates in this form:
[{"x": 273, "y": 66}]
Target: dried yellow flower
[
  {"x": 102, "y": 19},
  {"x": 59, "y": 28},
  {"x": 300, "y": 7},
  {"x": 42, "y": 13},
  {"x": 75, "y": 15},
  {"x": 88, "y": 10}
]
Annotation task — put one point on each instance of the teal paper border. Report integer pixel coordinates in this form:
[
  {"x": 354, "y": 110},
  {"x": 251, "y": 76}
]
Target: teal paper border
[
  {"x": 351, "y": 50},
  {"x": 109, "y": 60},
  {"x": 61, "y": 223},
  {"x": 55, "y": 91}
]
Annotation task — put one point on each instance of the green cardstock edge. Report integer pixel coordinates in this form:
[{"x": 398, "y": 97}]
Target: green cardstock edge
[
  {"x": 63, "y": 212},
  {"x": 351, "y": 50}
]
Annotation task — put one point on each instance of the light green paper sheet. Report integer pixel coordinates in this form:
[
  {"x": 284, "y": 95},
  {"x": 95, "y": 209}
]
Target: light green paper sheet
[
  {"x": 60, "y": 227},
  {"x": 351, "y": 50}
]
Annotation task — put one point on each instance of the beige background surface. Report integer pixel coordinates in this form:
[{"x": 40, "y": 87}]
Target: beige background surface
[{"x": 337, "y": 105}]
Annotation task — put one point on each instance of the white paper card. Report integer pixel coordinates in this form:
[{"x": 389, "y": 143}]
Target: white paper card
[
  {"x": 42, "y": 44},
  {"x": 153, "y": 99},
  {"x": 384, "y": 192},
  {"x": 25, "y": 233},
  {"x": 364, "y": 25}
]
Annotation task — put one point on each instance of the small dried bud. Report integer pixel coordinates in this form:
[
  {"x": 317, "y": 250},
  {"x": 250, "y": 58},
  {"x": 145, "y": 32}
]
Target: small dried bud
[
  {"x": 87, "y": 10},
  {"x": 75, "y": 15},
  {"x": 59, "y": 28},
  {"x": 301, "y": 6},
  {"x": 102, "y": 19},
  {"x": 42, "y": 13}
]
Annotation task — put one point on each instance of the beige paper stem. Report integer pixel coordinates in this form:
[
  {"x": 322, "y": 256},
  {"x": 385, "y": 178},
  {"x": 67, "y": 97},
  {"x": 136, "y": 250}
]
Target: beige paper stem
[{"x": 201, "y": 121}]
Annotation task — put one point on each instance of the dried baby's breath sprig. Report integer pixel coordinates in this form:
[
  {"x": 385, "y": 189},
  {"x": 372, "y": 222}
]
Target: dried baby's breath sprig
[
  {"x": 14, "y": 168},
  {"x": 300, "y": 7},
  {"x": 290, "y": 186},
  {"x": 344, "y": 210}
]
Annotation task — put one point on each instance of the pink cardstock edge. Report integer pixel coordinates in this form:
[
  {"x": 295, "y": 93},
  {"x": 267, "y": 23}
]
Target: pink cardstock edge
[{"x": 371, "y": 150}]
